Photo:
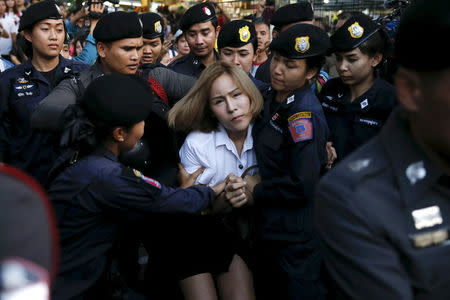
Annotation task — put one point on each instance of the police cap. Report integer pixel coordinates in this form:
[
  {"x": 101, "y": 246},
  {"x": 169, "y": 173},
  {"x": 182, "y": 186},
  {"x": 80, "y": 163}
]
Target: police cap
[
  {"x": 292, "y": 13},
  {"x": 118, "y": 99},
  {"x": 199, "y": 13},
  {"x": 152, "y": 25},
  {"x": 420, "y": 43},
  {"x": 355, "y": 31},
  {"x": 301, "y": 41},
  {"x": 39, "y": 11},
  {"x": 236, "y": 34},
  {"x": 118, "y": 25}
]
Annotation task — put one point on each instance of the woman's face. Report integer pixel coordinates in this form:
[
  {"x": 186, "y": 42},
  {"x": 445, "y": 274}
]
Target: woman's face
[
  {"x": 10, "y": 3},
  {"x": 78, "y": 48},
  {"x": 2, "y": 7},
  {"x": 20, "y": 2},
  {"x": 354, "y": 66},
  {"x": 182, "y": 46},
  {"x": 230, "y": 105},
  {"x": 47, "y": 37},
  {"x": 288, "y": 74},
  {"x": 131, "y": 138}
]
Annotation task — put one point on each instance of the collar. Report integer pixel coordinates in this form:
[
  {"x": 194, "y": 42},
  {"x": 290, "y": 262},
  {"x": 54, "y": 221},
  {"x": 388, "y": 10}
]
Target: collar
[
  {"x": 414, "y": 171},
  {"x": 103, "y": 151},
  {"x": 196, "y": 61},
  {"x": 96, "y": 70},
  {"x": 62, "y": 68},
  {"x": 221, "y": 138}
]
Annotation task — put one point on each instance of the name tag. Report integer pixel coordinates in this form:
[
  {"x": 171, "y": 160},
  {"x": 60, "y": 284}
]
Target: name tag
[
  {"x": 330, "y": 107},
  {"x": 370, "y": 122}
]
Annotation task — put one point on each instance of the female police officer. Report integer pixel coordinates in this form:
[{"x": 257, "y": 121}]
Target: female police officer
[
  {"x": 358, "y": 102},
  {"x": 97, "y": 194},
  {"x": 23, "y": 87},
  {"x": 290, "y": 141}
]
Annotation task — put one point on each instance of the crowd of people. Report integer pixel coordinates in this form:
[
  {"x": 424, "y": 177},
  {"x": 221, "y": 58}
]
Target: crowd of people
[{"x": 209, "y": 158}]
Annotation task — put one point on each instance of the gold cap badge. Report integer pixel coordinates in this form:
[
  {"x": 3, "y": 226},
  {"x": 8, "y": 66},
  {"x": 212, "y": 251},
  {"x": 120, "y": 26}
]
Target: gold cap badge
[
  {"x": 356, "y": 31},
  {"x": 158, "y": 27},
  {"x": 302, "y": 44},
  {"x": 244, "y": 34}
]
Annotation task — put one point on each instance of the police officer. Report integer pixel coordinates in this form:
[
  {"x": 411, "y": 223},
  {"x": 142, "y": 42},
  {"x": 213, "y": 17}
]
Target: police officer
[
  {"x": 282, "y": 18},
  {"x": 358, "y": 102},
  {"x": 119, "y": 44},
  {"x": 289, "y": 141},
  {"x": 153, "y": 39},
  {"x": 384, "y": 211},
  {"x": 199, "y": 26},
  {"x": 237, "y": 43},
  {"x": 23, "y": 87},
  {"x": 96, "y": 195}
]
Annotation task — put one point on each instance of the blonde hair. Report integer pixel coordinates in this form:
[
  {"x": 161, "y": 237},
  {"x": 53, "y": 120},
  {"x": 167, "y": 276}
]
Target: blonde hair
[{"x": 193, "y": 111}]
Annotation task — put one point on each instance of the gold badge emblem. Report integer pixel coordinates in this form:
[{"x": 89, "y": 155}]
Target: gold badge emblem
[
  {"x": 302, "y": 44},
  {"x": 356, "y": 31},
  {"x": 244, "y": 34},
  {"x": 158, "y": 27}
]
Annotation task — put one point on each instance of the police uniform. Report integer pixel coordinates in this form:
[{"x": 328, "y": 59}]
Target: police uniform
[
  {"x": 289, "y": 141},
  {"x": 352, "y": 123},
  {"x": 384, "y": 212},
  {"x": 285, "y": 15},
  {"x": 97, "y": 195},
  {"x": 21, "y": 89},
  {"x": 191, "y": 64}
]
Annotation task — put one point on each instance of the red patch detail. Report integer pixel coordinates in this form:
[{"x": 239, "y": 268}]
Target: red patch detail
[
  {"x": 151, "y": 181},
  {"x": 158, "y": 89},
  {"x": 301, "y": 129}
]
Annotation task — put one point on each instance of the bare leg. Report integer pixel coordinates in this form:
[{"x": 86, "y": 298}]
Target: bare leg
[
  {"x": 237, "y": 284},
  {"x": 199, "y": 287}
]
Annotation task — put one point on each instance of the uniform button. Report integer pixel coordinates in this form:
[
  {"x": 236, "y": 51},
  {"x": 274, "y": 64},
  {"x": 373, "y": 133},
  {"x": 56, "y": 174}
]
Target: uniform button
[{"x": 241, "y": 167}]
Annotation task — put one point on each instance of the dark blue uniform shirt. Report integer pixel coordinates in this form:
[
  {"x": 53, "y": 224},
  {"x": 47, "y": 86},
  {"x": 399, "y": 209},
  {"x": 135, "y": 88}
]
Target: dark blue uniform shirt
[
  {"x": 354, "y": 123},
  {"x": 189, "y": 64},
  {"x": 384, "y": 216},
  {"x": 289, "y": 141},
  {"x": 21, "y": 89},
  {"x": 92, "y": 199}
]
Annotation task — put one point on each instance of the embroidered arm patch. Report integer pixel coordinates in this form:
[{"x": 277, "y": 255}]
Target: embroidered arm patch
[
  {"x": 151, "y": 181},
  {"x": 301, "y": 127}
]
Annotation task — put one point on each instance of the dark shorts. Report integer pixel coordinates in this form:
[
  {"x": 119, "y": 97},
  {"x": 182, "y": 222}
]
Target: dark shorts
[{"x": 186, "y": 245}]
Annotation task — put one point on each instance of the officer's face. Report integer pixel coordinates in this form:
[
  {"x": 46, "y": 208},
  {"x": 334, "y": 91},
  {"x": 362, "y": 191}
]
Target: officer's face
[
  {"x": 122, "y": 56},
  {"x": 230, "y": 105},
  {"x": 2, "y": 7},
  {"x": 263, "y": 34},
  {"x": 242, "y": 56},
  {"x": 427, "y": 98},
  {"x": 47, "y": 37},
  {"x": 355, "y": 67},
  {"x": 151, "y": 50},
  {"x": 200, "y": 38},
  {"x": 131, "y": 137},
  {"x": 287, "y": 74}
]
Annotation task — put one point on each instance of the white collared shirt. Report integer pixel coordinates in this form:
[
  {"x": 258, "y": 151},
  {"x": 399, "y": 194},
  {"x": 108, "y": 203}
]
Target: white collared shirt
[{"x": 217, "y": 153}]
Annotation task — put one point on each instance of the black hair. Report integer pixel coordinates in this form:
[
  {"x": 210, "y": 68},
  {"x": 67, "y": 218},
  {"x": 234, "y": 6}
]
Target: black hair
[
  {"x": 22, "y": 48},
  {"x": 259, "y": 21},
  {"x": 376, "y": 44},
  {"x": 315, "y": 62}
]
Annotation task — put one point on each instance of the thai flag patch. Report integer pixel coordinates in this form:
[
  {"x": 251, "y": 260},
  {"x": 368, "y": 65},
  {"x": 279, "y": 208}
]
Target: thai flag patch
[
  {"x": 151, "y": 181},
  {"x": 300, "y": 126}
]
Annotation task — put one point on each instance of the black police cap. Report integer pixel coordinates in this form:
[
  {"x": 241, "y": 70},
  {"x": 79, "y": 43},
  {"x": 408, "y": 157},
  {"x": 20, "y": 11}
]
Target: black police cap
[
  {"x": 421, "y": 38},
  {"x": 152, "y": 25},
  {"x": 118, "y": 25},
  {"x": 301, "y": 41},
  {"x": 355, "y": 31},
  {"x": 39, "y": 11},
  {"x": 118, "y": 99},
  {"x": 199, "y": 13},
  {"x": 292, "y": 13},
  {"x": 236, "y": 34}
]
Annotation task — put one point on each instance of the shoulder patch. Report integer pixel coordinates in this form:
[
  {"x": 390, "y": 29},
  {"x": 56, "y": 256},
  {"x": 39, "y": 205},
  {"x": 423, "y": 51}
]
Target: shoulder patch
[
  {"x": 151, "y": 181},
  {"x": 300, "y": 126}
]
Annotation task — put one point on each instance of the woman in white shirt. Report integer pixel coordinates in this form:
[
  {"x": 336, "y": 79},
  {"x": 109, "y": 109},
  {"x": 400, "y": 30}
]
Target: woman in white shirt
[{"x": 218, "y": 113}]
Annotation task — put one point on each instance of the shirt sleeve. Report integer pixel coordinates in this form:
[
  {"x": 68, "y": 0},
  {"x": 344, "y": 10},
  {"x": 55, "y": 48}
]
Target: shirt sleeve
[
  {"x": 192, "y": 159},
  {"x": 361, "y": 262},
  {"x": 89, "y": 53},
  {"x": 134, "y": 193}
]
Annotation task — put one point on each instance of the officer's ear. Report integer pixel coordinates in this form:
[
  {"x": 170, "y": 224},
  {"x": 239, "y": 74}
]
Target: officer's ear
[
  {"x": 102, "y": 49},
  {"x": 27, "y": 34},
  {"x": 120, "y": 134},
  {"x": 310, "y": 73},
  {"x": 376, "y": 59},
  {"x": 408, "y": 89}
]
